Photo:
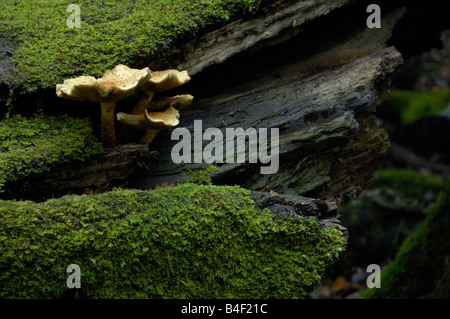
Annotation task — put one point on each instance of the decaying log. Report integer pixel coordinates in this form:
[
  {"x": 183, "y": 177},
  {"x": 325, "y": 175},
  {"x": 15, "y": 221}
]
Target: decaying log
[
  {"x": 280, "y": 17},
  {"x": 323, "y": 104},
  {"x": 104, "y": 170},
  {"x": 323, "y": 211},
  {"x": 329, "y": 143}
]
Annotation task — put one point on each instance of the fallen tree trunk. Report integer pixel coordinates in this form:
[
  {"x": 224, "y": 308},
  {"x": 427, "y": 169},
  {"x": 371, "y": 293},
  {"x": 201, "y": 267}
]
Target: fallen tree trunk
[
  {"x": 329, "y": 144},
  {"x": 279, "y": 22},
  {"x": 322, "y": 101},
  {"x": 188, "y": 241}
]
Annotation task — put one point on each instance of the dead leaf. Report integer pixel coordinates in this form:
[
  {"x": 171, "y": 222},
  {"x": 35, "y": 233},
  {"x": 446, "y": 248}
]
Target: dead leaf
[
  {"x": 88, "y": 191},
  {"x": 340, "y": 283},
  {"x": 266, "y": 189}
]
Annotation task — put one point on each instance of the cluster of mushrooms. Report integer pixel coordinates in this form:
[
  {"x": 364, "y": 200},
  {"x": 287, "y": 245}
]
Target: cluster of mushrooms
[{"x": 150, "y": 113}]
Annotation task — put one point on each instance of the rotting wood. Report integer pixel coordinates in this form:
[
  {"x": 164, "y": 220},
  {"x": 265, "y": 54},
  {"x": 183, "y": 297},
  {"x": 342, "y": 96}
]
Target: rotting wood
[
  {"x": 105, "y": 170},
  {"x": 323, "y": 211},
  {"x": 218, "y": 46},
  {"x": 329, "y": 142},
  {"x": 323, "y": 106}
]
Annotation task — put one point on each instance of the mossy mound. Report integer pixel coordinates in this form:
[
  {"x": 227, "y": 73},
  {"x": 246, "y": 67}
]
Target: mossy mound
[
  {"x": 33, "y": 145},
  {"x": 420, "y": 268},
  {"x": 45, "y": 51},
  {"x": 414, "y": 105},
  {"x": 188, "y": 241},
  {"x": 411, "y": 185}
]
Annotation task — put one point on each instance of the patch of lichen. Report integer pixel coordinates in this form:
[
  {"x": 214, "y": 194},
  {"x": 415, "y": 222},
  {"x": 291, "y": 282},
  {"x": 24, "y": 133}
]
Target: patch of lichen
[
  {"x": 188, "y": 241},
  {"x": 34, "y": 145},
  {"x": 421, "y": 259},
  {"x": 112, "y": 32}
]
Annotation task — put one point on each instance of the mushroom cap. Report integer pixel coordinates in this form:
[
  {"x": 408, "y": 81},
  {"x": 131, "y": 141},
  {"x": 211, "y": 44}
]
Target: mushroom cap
[
  {"x": 177, "y": 101},
  {"x": 167, "y": 118},
  {"x": 114, "y": 85},
  {"x": 154, "y": 120},
  {"x": 165, "y": 80}
]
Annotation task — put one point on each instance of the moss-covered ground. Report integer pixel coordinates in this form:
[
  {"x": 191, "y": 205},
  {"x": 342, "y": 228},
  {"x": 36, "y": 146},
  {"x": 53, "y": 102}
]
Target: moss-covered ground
[
  {"x": 45, "y": 51},
  {"x": 420, "y": 265},
  {"x": 389, "y": 211},
  {"x": 188, "y": 241},
  {"x": 410, "y": 186}
]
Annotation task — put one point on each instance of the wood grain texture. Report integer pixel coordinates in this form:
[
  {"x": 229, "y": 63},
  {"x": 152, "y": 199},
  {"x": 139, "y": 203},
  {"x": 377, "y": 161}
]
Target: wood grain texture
[
  {"x": 329, "y": 142},
  {"x": 105, "y": 170},
  {"x": 218, "y": 46}
]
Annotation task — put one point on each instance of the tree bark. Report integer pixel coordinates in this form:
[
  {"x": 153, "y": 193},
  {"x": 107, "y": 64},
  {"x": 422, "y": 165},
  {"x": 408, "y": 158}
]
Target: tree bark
[
  {"x": 323, "y": 211},
  {"x": 280, "y": 21},
  {"x": 111, "y": 168}
]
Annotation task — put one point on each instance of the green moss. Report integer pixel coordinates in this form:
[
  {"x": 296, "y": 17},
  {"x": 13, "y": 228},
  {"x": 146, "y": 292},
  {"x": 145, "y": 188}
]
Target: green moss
[
  {"x": 410, "y": 183},
  {"x": 421, "y": 259},
  {"x": 201, "y": 176},
  {"x": 33, "y": 145},
  {"x": 413, "y": 105},
  {"x": 47, "y": 51},
  {"x": 188, "y": 241}
]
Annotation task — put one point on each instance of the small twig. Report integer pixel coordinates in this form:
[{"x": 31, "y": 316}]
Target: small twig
[{"x": 170, "y": 263}]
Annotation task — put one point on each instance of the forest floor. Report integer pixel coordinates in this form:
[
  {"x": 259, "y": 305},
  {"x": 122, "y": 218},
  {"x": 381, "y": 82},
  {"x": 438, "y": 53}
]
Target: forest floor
[{"x": 402, "y": 192}]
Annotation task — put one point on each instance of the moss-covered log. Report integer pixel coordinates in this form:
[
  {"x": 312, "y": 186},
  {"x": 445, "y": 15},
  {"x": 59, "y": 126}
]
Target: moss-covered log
[
  {"x": 29, "y": 146},
  {"x": 106, "y": 170},
  {"x": 40, "y": 47},
  {"x": 189, "y": 241},
  {"x": 321, "y": 96}
]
